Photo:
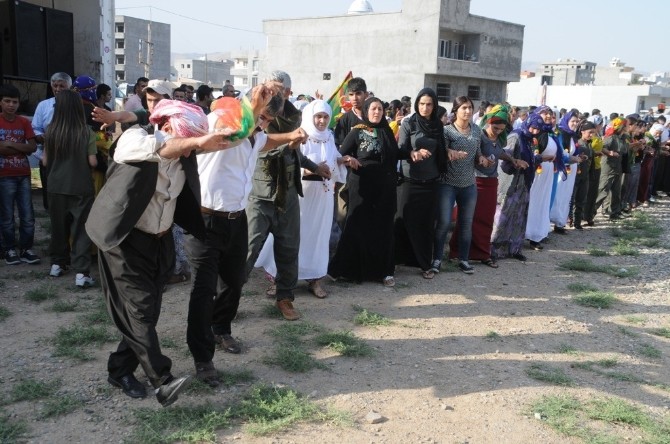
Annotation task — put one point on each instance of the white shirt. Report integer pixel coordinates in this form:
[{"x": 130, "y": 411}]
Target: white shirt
[
  {"x": 226, "y": 175},
  {"x": 133, "y": 103},
  {"x": 135, "y": 145}
]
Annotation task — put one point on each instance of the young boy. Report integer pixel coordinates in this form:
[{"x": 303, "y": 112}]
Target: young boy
[{"x": 17, "y": 141}]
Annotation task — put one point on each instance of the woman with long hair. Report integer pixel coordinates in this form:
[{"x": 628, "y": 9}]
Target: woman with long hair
[
  {"x": 496, "y": 124},
  {"x": 69, "y": 154},
  {"x": 463, "y": 141},
  {"x": 365, "y": 250},
  {"x": 421, "y": 138}
]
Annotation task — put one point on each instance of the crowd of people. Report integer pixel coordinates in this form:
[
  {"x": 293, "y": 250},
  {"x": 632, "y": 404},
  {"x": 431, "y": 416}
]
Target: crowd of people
[{"x": 177, "y": 197}]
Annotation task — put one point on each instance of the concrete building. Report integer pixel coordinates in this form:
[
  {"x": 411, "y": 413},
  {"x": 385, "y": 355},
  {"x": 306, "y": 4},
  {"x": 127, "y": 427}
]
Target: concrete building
[
  {"x": 246, "y": 68},
  {"x": 624, "y": 99},
  {"x": 141, "y": 49},
  {"x": 617, "y": 73},
  {"x": 568, "y": 72},
  {"x": 435, "y": 43},
  {"x": 209, "y": 72}
]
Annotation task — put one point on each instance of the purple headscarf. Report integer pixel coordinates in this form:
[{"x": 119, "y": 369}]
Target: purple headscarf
[
  {"x": 563, "y": 124},
  {"x": 86, "y": 87}
]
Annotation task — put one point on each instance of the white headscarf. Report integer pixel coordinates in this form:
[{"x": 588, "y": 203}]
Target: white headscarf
[{"x": 320, "y": 146}]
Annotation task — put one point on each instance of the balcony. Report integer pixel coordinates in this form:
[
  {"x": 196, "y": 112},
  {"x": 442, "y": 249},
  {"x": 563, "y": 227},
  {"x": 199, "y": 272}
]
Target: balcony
[{"x": 242, "y": 72}]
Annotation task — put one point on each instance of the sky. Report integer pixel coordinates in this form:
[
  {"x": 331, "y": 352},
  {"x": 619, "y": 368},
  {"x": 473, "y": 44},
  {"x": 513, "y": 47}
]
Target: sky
[{"x": 590, "y": 30}]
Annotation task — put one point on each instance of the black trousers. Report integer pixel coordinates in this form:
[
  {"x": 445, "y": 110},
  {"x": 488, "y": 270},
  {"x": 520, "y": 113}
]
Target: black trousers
[
  {"x": 133, "y": 275},
  {"x": 221, "y": 256},
  {"x": 579, "y": 196}
]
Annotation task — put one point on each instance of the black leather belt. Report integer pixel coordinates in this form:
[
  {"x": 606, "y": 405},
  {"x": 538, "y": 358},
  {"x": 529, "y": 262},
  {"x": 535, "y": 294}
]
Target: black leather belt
[
  {"x": 313, "y": 178},
  {"x": 224, "y": 214}
]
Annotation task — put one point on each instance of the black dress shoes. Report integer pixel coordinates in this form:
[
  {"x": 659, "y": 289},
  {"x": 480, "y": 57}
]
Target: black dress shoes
[
  {"x": 168, "y": 393},
  {"x": 130, "y": 386}
]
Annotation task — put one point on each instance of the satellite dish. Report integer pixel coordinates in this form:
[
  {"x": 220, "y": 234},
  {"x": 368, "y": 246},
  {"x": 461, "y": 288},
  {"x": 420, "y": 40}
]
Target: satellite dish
[{"x": 360, "y": 7}]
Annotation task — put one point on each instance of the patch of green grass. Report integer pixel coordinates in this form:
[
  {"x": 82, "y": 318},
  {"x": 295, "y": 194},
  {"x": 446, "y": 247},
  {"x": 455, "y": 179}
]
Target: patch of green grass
[
  {"x": 270, "y": 311},
  {"x": 64, "y": 306},
  {"x": 650, "y": 243},
  {"x": 649, "y": 351},
  {"x": 167, "y": 342},
  {"x": 179, "y": 424},
  {"x": 585, "y": 265},
  {"x": 579, "y": 287},
  {"x": 12, "y": 432},
  {"x": 230, "y": 378},
  {"x": 41, "y": 293},
  {"x": 293, "y": 358},
  {"x": 493, "y": 336},
  {"x": 369, "y": 318},
  {"x": 31, "y": 389},
  {"x": 69, "y": 341},
  {"x": 663, "y": 332},
  {"x": 596, "y": 252},
  {"x": 344, "y": 343},
  {"x": 567, "y": 349},
  {"x": 250, "y": 293},
  {"x": 593, "y": 366},
  {"x": 625, "y": 248},
  {"x": 293, "y": 332},
  {"x": 547, "y": 373},
  {"x": 98, "y": 315},
  {"x": 627, "y": 332},
  {"x": 59, "y": 406},
  {"x": 607, "y": 362},
  {"x": 595, "y": 299},
  {"x": 635, "y": 319},
  {"x": 4, "y": 313},
  {"x": 32, "y": 275},
  {"x": 449, "y": 266},
  {"x": 600, "y": 420},
  {"x": 267, "y": 409}
]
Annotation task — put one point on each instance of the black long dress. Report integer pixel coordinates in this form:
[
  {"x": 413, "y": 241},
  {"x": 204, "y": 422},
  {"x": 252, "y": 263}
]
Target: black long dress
[{"x": 365, "y": 250}]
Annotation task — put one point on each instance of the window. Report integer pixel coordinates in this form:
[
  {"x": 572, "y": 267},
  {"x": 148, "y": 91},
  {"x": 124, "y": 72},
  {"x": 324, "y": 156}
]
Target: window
[
  {"x": 120, "y": 75},
  {"x": 473, "y": 92},
  {"x": 120, "y": 27},
  {"x": 445, "y": 49},
  {"x": 120, "y": 44},
  {"x": 182, "y": 66},
  {"x": 444, "y": 92},
  {"x": 188, "y": 65},
  {"x": 120, "y": 60}
]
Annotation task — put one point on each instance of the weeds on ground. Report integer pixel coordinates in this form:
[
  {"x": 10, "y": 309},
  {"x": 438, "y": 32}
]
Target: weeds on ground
[
  {"x": 369, "y": 318},
  {"x": 627, "y": 332},
  {"x": 585, "y": 265},
  {"x": 64, "y": 306},
  {"x": 492, "y": 336},
  {"x": 31, "y": 389},
  {"x": 41, "y": 293},
  {"x": 179, "y": 424},
  {"x": 598, "y": 367},
  {"x": 267, "y": 409},
  {"x": 635, "y": 319},
  {"x": 69, "y": 341},
  {"x": 32, "y": 275},
  {"x": 271, "y": 311},
  {"x": 596, "y": 252},
  {"x": 344, "y": 343},
  {"x": 293, "y": 358},
  {"x": 567, "y": 349},
  {"x": 663, "y": 332},
  {"x": 98, "y": 315},
  {"x": 226, "y": 378},
  {"x": 649, "y": 351},
  {"x": 625, "y": 248},
  {"x": 293, "y": 332},
  {"x": 167, "y": 342},
  {"x": 62, "y": 405},
  {"x": 595, "y": 299},
  {"x": 599, "y": 420},
  {"x": 12, "y": 432},
  {"x": 4, "y": 313},
  {"x": 579, "y": 287},
  {"x": 547, "y": 373}
]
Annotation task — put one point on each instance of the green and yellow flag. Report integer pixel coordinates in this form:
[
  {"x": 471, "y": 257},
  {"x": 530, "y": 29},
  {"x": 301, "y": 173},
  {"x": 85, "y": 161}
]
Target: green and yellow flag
[{"x": 339, "y": 101}]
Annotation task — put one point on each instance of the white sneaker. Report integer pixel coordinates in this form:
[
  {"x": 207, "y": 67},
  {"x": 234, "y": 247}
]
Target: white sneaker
[
  {"x": 57, "y": 270},
  {"x": 82, "y": 280}
]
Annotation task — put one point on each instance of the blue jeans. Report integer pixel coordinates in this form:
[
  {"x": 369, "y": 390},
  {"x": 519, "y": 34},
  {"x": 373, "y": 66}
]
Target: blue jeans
[
  {"x": 466, "y": 199},
  {"x": 16, "y": 189}
]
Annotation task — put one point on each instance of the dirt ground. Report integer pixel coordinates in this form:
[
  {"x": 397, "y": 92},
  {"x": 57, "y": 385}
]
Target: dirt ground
[{"x": 451, "y": 368}]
